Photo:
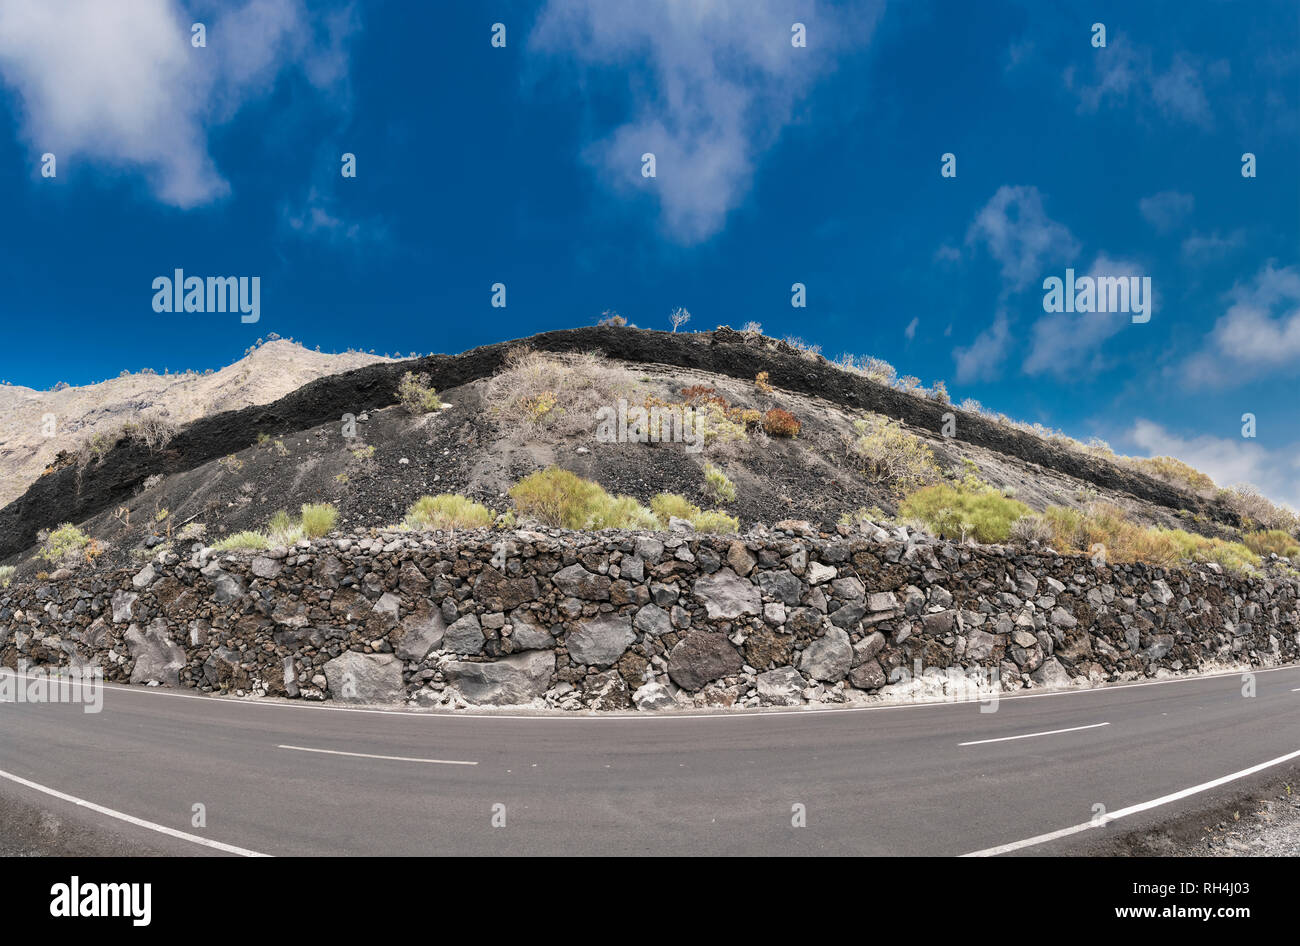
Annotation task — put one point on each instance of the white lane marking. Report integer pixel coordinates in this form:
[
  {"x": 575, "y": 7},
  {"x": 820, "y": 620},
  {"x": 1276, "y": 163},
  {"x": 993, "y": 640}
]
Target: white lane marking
[
  {"x": 390, "y": 758},
  {"x": 1132, "y": 809},
  {"x": 132, "y": 819},
  {"x": 1031, "y": 735},
  {"x": 267, "y": 703}
]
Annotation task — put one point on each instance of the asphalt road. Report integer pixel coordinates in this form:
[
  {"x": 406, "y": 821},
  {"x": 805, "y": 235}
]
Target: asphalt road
[{"x": 885, "y": 780}]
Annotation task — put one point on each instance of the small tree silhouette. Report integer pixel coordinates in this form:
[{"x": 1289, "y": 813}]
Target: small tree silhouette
[{"x": 678, "y": 317}]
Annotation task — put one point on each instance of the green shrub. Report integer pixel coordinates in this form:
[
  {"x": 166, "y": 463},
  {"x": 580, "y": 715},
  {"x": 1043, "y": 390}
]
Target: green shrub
[
  {"x": 6, "y": 575},
  {"x": 1274, "y": 541},
  {"x": 716, "y": 425},
  {"x": 622, "y": 512},
  {"x": 714, "y": 520},
  {"x": 1125, "y": 541},
  {"x": 64, "y": 542},
  {"x": 673, "y": 506},
  {"x": 448, "y": 511},
  {"x": 318, "y": 519},
  {"x": 667, "y": 506},
  {"x": 893, "y": 458},
  {"x": 556, "y": 497},
  {"x": 282, "y": 530},
  {"x": 718, "y": 485},
  {"x": 955, "y": 513},
  {"x": 415, "y": 394},
  {"x": 243, "y": 540}
]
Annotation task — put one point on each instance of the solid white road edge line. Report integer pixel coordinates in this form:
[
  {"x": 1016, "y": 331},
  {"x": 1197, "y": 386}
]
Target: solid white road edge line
[
  {"x": 1031, "y": 735},
  {"x": 131, "y": 819},
  {"x": 366, "y": 755},
  {"x": 1132, "y": 809},
  {"x": 623, "y": 717}
]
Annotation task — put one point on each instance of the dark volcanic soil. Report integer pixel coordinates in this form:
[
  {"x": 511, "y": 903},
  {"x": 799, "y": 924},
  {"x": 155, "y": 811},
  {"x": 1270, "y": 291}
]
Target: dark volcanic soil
[
  {"x": 786, "y": 480},
  {"x": 395, "y": 457}
]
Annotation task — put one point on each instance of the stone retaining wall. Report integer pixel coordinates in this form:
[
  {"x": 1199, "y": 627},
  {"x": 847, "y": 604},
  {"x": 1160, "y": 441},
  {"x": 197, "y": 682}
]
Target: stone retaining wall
[{"x": 620, "y": 619}]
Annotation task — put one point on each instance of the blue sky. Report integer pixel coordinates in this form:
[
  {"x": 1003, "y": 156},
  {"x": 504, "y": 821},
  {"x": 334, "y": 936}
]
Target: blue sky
[{"x": 775, "y": 165}]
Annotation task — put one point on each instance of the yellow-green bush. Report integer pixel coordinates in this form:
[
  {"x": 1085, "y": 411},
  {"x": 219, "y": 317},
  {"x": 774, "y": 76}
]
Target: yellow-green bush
[
  {"x": 1274, "y": 541},
  {"x": 1173, "y": 471},
  {"x": 668, "y": 506},
  {"x": 715, "y": 426},
  {"x": 282, "y": 530},
  {"x": 623, "y": 512},
  {"x": 415, "y": 394},
  {"x": 1077, "y": 530},
  {"x": 718, "y": 485},
  {"x": 243, "y": 540},
  {"x": 892, "y": 458},
  {"x": 556, "y": 497},
  {"x": 448, "y": 511},
  {"x": 318, "y": 519},
  {"x": 64, "y": 542},
  {"x": 957, "y": 513},
  {"x": 715, "y": 520},
  {"x": 673, "y": 506}
]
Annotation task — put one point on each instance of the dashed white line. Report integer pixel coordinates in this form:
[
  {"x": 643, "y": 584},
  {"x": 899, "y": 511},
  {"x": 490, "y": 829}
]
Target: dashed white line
[
  {"x": 1132, "y": 809},
  {"x": 390, "y": 758},
  {"x": 1031, "y": 735},
  {"x": 131, "y": 819}
]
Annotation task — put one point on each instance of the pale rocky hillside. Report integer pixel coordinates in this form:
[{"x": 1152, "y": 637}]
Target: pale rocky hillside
[{"x": 267, "y": 373}]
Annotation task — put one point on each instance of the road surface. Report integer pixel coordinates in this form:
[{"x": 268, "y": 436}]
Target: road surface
[{"x": 280, "y": 778}]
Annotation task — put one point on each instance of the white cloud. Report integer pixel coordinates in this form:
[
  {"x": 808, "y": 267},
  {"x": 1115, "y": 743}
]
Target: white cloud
[
  {"x": 1124, "y": 72},
  {"x": 712, "y": 83},
  {"x": 319, "y": 217},
  {"x": 1259, "y": 334},
  {"x": 119, "y": 85},
  {"x": 1201, "y": 247},
  {"x": 910, "y": 332},
  {"x": 1166, "y": 210},
  {"x": 1228, "y": 461},
  {"x": 984, "y": 356},
  {"x": 1067, "y": 344},
  {"x": 1019, "y": 235}
]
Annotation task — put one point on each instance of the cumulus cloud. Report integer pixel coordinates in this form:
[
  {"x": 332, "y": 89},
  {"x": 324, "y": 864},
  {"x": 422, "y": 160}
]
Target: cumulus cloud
[
  {"x": 1067, "y": 344},
  {"x": 1167, "y": 210},
  {"x": 1228, "y": 461},
  {"x": 1017, "y": 232},
  {"x": 712, "y": 84},
  {"x": 119, "y": 84},
  {"x": 1259, "y": 333}
]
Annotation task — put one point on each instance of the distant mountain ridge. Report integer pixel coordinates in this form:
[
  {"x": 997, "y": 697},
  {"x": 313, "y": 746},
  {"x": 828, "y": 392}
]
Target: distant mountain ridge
[{"x": 265, "y": 374}]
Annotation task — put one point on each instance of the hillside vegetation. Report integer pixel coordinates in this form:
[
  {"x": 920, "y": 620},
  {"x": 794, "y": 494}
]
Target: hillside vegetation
[{"x": 510, "y": 435}]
